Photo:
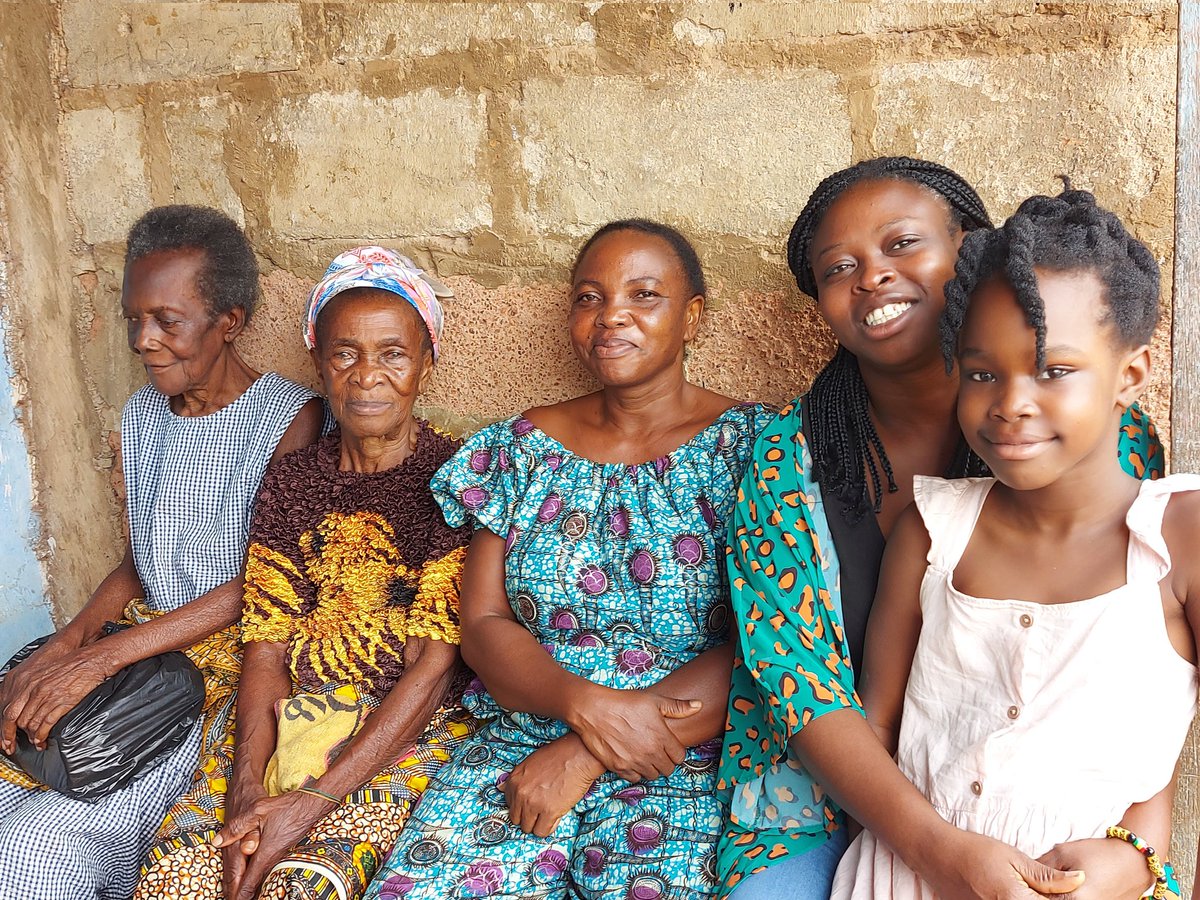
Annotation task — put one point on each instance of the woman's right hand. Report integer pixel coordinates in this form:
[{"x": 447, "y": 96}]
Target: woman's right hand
[
  {"x": 627, "y": 731},
  {"x": 967, "y": 866},
  {"x": 19, "y": 687}
]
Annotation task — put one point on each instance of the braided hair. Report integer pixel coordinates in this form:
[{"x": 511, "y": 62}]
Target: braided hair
[
  {"x": 1067, "y": 233},
  {"x": 842, "y": 438}
]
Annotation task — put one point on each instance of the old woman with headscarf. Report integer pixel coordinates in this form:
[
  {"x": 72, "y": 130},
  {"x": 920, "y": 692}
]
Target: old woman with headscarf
[{"x": 350, "y": 621}]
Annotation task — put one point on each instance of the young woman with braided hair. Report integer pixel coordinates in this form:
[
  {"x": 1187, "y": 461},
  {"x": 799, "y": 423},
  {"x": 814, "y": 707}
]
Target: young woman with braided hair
[
  {"x": 875, "y": 245},
  {"x": 996, "y": 709}
]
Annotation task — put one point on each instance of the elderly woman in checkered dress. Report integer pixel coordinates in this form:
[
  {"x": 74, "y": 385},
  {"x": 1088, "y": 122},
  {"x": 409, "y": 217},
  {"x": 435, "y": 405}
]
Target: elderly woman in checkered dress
[{"x": 195, "y": 443}]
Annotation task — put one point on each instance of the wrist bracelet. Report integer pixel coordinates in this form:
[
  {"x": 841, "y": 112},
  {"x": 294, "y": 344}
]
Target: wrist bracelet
[
  {"x": 319, "y": 793},
  {"x": 1152, "y": 861}
]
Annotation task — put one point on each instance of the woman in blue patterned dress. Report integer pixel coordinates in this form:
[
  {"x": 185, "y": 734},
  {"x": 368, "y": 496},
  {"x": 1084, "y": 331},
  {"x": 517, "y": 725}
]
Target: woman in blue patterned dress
[
  {"x": 195, "y": 442},
  {"x": 594, "y": 611}
]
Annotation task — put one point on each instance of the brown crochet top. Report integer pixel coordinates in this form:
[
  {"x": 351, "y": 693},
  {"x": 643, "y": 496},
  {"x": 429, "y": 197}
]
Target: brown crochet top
[{"x": 345, "y": 566}]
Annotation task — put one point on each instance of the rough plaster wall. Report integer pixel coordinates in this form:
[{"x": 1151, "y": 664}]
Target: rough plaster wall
[{"x": 487, "y": 138}]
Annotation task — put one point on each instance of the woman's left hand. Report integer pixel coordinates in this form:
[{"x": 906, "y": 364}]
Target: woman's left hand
[
  {"x": 1114, "y": 868},
  {"x": 267, "y": 831},
  {"x": 547, "y": 784}
]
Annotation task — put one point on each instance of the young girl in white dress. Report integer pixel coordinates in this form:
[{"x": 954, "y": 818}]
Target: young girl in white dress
[{"x": 1031, "y": 656}]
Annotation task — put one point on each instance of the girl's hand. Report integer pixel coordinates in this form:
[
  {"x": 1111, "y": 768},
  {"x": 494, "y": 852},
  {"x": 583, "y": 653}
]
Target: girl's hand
[
  {"x": 548, "y": 783},
  {"x": 973, "y": 867},
  {"x": 1114, "y": 868},
  {"x": 627, "y": 733},
  {"x": 266, "y": 832}
]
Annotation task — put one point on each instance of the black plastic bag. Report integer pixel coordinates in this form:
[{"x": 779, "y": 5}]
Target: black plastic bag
[{"x": 122, "y": 729}]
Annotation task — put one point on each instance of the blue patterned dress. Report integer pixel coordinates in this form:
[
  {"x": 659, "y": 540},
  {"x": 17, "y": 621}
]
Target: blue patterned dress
[{"x": 618, "y": 570}]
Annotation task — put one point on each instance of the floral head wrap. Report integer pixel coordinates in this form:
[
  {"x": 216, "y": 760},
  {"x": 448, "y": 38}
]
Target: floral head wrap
[{"x": 384, "y": 270}]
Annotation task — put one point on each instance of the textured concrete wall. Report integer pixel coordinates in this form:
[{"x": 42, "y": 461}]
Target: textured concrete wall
[{"x": 488, "y": 138}]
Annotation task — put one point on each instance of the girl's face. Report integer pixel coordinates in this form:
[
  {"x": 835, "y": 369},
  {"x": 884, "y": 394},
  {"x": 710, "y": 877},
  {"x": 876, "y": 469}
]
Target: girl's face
[
  {"x": 632, "y": 310},
  {"x": 169, "y": 324},
  {"x": 881, "y": 257},
  {"x": 1034, "y": 425}
]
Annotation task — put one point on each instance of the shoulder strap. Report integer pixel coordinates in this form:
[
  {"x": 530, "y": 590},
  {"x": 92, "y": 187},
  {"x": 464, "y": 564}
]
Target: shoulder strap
[{"x": 950, "y": 509}]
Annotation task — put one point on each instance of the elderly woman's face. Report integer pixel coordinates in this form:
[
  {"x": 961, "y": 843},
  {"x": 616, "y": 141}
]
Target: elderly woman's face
[
  {"x": 373, "y": 360},
  {"x": 632, "y": 310},
  {"x": 169, "y": 323}
]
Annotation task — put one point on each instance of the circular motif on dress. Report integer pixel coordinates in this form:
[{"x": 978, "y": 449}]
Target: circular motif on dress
[
  {"x": 521, "y": 427},
  {"x": 553, "y": 461},
  {"x": 635, "y": 661},
  {"x": 707, "y": 512},
  {"x": 550, "y": 508},
  {"x": 643, "y": 567},
  {"x": 708, "y": 868},
  {"x": 717, "y": 618},
  {"x": 588, "y": 639},
  {"x": 618, "y": 522},
  {"x": 511, "y": 538},
  {"x": 396, "y": 886},
  {"x": 526, "y": 608},
  {"x": 632, "y": 795},
  {"x": 425, "y": 852},
  {"x": 564, "y": 619},
  {"x": 482, "y": 879},
  {"x": 478, "y": 755},
  {"x": 727, "y": 436},
  {"x": 644, "y": 835},
  {"x": 689, "y": 550},
  {"x": 502, "y": 460},
  {"x": 646, "y": 887},
  {"x": 662, "y": 465},
  {"x": 548, "y": 866},
  {"x": 595, "y": 860},
  {"x": 481, "y": 461},
  {"x": 491, "y": 830},
  {"x": 592, "y": 580},
  {"x": 575, "y": 525},
  {"x": 474, "y": 497}
]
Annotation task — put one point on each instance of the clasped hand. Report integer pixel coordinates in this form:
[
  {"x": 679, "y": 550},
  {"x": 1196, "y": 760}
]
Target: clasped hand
[
  {"x": 42, "y": 689},
  {"x": 627, "y": 731}
]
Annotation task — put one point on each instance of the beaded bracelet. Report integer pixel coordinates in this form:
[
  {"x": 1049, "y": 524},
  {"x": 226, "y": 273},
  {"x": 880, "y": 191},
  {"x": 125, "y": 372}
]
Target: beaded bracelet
[
  {"x": 319, "y": 793},
  {"x": 1152, "y": 860}
]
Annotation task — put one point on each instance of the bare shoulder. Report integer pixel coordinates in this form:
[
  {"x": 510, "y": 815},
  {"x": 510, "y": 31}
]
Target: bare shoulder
[
  {"x": 909, "y": 532},
  {"x": 304, "y": 430},
  {"x": 554, "y": 416}
]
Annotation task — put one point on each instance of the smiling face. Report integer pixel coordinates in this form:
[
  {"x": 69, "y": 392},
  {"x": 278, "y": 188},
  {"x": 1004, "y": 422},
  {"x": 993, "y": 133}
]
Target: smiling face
[
  {"x": 373, "y": 361},
  {"x": 1033, "y": 425},
  {"x": 169, "y": 323},
  {"x": 632, "y": 309},
  {"x": 881, "y": 257}
]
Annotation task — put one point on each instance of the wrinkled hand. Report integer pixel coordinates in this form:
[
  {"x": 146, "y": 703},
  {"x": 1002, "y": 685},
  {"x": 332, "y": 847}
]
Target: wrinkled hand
[
  {"x": 1114, "y": 868},
  {"x": 243, "y": 793},
  {"x": 980, "y": 868},
  {"x": 40, "y": 691},
  {"x": 627, "y": 732},
  {"x": 547, "y": 784},
  {"x": 264, "y": 833}
]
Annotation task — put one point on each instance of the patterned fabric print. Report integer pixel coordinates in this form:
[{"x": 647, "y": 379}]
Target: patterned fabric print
[
  {"x": 342, "y": 853},
  {"x": 649, "y": 841},
  {"x": 345, "y": 566},
  {"x": 617, "y": 571},
  {"x": 1139, "y": 449},
  {"x": 791, "y": 664}
]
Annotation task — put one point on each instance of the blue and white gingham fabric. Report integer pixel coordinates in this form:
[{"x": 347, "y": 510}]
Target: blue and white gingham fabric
[{"x": 191, "y": 484}]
